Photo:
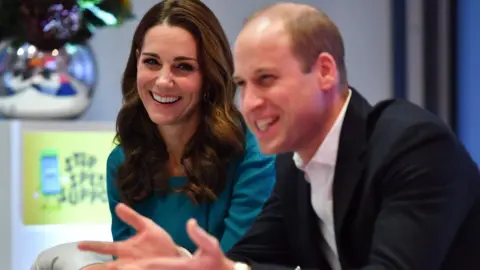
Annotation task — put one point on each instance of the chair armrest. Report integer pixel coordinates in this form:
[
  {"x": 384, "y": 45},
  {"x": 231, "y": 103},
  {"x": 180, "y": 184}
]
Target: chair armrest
[{"x": 67, "y": 257}]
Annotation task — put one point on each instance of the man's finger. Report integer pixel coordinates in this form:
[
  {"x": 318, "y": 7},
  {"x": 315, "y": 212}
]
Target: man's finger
[
  {"x": 155, "y": 264},
  {"x": 114, "y": 265},
  {"x": 205, "y": 242},
  {"x": 105, "y": 248},
  {"x": 129, "y": 216}
]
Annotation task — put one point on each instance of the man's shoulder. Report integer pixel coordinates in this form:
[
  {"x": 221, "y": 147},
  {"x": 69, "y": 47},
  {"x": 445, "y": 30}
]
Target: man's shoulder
[
  {"x": 395, "y": 118},
  {"x": 401, "y": 128},
  {"x": 405, "y": 111}
]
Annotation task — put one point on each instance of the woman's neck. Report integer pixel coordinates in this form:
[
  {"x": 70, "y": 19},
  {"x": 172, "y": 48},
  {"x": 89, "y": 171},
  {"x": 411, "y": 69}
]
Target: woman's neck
[{"x": 176, "y": 138}]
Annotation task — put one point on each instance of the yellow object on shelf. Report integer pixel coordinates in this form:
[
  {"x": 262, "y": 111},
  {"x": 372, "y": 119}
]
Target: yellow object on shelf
[{"x": 64, "y": 177}]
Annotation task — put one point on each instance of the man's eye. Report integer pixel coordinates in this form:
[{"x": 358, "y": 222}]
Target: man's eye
[
  {"x": 240, "y": 84},
  {"x": 266, "y": 79}
]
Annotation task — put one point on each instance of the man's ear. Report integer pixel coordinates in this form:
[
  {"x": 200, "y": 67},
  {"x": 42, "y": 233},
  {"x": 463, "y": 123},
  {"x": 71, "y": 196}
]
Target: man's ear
[{"x": 326, "y": 70}]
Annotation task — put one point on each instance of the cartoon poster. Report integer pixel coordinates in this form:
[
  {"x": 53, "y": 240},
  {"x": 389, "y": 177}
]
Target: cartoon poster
[{"x": 64, "y": 177}]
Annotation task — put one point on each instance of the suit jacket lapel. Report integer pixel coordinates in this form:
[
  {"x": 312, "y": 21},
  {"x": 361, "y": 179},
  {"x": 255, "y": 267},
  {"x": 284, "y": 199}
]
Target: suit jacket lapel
[
  {"x": 349, "y": 167},
  {"x": 307, "y": 219}
]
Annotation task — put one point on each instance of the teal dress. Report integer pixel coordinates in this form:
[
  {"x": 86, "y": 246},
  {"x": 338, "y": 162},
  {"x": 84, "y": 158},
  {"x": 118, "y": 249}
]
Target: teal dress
[{"x": 250, "y": 182}]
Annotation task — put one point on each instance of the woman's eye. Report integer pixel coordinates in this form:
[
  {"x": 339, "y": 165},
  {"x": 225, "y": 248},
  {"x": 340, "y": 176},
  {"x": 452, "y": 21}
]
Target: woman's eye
[
  {"x": 150, "y": 61},
  {"x": 185, "y": 67}
]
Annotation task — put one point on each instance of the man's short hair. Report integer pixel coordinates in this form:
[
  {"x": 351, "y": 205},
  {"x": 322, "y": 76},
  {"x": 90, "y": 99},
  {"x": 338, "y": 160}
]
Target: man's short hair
[{"x": 311, "y": 32}]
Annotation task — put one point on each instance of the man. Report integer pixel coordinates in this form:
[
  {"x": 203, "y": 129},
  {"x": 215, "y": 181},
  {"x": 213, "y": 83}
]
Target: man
[{"x": 384, "y": 187}]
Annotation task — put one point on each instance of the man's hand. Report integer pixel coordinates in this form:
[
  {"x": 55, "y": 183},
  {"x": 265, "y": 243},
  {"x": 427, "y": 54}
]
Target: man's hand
[
  {"x": 100, "y": 266},
  {"x": 150, "y": 241},
  {"x": 208, "y": 256}
]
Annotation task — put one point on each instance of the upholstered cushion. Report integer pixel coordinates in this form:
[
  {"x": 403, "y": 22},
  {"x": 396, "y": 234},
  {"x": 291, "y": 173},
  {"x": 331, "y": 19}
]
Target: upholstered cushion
[{"x": 67, "y": 257}]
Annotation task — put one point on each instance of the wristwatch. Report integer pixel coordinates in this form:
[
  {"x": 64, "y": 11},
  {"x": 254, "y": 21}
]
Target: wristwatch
[
  {"x": 184, "y": 253},
  {"x": 240, "y": 266}
]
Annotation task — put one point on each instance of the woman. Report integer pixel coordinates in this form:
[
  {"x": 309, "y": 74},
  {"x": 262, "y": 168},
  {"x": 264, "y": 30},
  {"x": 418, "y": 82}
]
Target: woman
[{"x": 183, "y": 150}]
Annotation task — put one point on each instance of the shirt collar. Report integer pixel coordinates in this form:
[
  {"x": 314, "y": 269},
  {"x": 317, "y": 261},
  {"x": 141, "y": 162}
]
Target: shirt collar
[{"x": 326, "y": 154}]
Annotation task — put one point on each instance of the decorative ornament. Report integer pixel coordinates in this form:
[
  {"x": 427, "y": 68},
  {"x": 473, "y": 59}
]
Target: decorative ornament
[
  {"x": 47, "y": 70},
  {"x": 49, "y": 24},
  {"x": 36, "y": 84}
]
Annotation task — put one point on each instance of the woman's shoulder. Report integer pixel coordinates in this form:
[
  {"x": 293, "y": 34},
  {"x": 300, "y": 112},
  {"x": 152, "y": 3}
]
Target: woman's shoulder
[
  {"x": 116, "y": 156},
  {"x": 253, "y": 159},
  {"x": 114, "y": 160},
  {"x": 252, "y": 149}
]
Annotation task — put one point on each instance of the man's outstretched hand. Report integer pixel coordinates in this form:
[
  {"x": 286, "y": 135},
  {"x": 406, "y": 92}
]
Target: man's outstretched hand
[
  {"x": 208, "y": 256},
  {"x": 150, "y": 240}
]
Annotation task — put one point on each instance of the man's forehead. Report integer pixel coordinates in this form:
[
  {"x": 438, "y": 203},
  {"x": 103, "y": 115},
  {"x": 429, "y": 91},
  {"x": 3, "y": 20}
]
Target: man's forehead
[
  {"x": 260, "y": 62},
  {"x": 262, "y": 30},
  {"x": 260, "y": 47},
  {"x": 261, "y": 26}
]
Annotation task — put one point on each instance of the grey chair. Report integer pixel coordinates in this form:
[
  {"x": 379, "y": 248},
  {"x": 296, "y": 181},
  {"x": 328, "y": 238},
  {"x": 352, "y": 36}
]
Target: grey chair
[{"x": 67, "y": 257}]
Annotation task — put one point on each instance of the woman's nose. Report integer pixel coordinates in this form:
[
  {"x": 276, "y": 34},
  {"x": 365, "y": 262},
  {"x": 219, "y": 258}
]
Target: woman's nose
[{"x": 165, "y": 78}]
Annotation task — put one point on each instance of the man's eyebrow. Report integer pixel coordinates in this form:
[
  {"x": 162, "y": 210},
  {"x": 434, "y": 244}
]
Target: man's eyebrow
[{"x": 236, "y": 77}]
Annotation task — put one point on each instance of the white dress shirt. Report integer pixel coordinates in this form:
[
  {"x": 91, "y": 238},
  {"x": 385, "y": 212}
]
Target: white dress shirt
[{"x": 319, "y": 172}]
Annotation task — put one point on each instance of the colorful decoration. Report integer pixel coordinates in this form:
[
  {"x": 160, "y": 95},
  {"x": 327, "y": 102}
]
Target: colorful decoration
[
  {"x": 48, "y": 24},
  {"x": 47, "y": 70},
  {"x": 36, "y": 84},
  {"x": 64, "y": 182}
]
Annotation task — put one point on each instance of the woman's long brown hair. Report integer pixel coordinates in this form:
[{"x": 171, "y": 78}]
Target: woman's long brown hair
[{"x": 220, "y": 136}]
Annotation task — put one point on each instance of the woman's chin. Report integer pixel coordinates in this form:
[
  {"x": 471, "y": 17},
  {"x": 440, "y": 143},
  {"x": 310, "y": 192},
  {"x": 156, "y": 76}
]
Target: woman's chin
[{"x": 163, "y": 120}]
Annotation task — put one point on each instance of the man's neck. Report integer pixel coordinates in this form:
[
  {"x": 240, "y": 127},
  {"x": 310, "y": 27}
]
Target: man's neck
[{"x": 322, "y": 126}]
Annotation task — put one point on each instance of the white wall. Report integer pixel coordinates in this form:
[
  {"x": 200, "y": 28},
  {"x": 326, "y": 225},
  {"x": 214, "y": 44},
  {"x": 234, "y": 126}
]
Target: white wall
[
  {"x": 365, "y": 26},
  {"x": 6, "y": 198}
]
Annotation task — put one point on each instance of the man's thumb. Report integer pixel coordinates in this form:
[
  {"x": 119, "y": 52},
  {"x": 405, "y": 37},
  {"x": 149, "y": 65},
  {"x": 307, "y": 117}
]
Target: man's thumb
[{"x": 205, "y": 242}]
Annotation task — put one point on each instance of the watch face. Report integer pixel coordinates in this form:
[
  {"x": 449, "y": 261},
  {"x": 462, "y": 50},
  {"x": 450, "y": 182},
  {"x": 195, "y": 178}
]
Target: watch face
[{"x": 240, "y": 266}]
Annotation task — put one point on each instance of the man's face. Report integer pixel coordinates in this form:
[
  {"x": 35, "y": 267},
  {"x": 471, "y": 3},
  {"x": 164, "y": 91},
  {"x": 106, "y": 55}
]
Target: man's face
[{"x": 278, "y": 100}]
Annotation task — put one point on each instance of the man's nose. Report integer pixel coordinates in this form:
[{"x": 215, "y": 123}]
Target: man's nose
[{"x": 250, "y": 100}]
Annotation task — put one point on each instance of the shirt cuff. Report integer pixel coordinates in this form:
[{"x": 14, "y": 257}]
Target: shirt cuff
[{"x": 184, "y": 252}]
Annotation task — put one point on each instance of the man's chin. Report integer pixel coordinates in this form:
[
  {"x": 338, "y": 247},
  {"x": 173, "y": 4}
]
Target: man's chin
[{"x": 272, "y": 147}]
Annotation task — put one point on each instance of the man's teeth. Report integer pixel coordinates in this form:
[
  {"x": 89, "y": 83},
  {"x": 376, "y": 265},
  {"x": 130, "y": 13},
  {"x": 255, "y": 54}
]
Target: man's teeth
[
  {"x": 263, "y": 124},
  {"x": 165, "y": 99}
]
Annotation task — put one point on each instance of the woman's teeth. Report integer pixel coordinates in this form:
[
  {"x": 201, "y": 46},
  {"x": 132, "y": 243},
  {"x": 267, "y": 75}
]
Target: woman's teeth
[{"x": 165, "y": 100}]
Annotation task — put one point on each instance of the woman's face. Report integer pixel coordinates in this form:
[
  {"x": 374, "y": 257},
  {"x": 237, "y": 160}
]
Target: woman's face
[{"x": 169, "y": 79}]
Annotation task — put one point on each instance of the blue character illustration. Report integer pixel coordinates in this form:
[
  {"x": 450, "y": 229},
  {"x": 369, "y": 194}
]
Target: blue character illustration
[{"x": 50, "y": 179}]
